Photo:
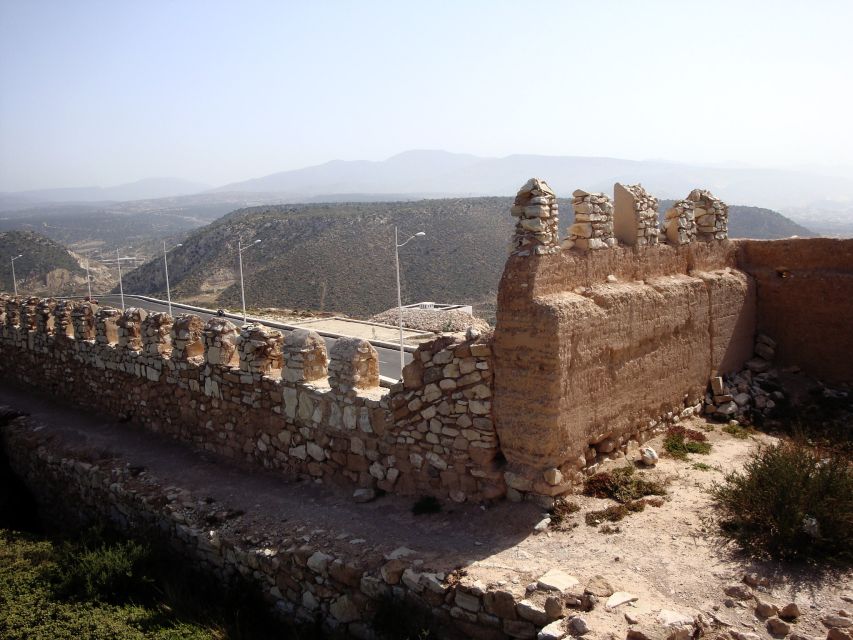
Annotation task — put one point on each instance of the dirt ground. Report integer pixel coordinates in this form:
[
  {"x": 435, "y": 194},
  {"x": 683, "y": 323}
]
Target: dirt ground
[{"x": 667, "y": 556}]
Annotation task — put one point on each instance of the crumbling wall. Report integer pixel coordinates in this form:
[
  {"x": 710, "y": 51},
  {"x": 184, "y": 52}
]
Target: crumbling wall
[
  {"x": 600, "y": 344},
  {"x": 281, "y": 403},
  {"x": 805, "y": 301}
]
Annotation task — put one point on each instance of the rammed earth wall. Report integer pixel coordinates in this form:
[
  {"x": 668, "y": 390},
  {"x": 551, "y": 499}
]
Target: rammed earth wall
[
  {"x": 593, "y": 350},
  {"x": 324, "y": 417}
]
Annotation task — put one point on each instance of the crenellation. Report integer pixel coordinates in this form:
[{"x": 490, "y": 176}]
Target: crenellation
[
  {"x": 13, "y": 312},
  {"x": 635, "y": 215},
  {"x": 129, "y": 326},
  {"x": 157, "y": 334},
  {"x": 536, "y": 208},
  {"x": 260, "y": 349},
  {"x": 83, "y": 320},
  {"x": 305, "y": 356},
  {"x": 106, "y": 326},
  {"x": 187, "y": 337},
  {"x": 45, "y": 319},
  {"x": 711, "y": 214},
  {"x": 353, "y": 366},
  {"x": 63, "y": 321},
  {"x": 679, "y": 225},
  {"x": 593, "y": 227},
  {"x": 28, "y": 314},
  {"x": 220, "y": 343}
]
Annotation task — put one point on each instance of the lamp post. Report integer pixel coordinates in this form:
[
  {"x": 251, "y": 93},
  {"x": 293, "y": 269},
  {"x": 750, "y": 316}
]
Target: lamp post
[
  {"x": 166, "y": 267},
  {"x": 88, "y": 279},
  {"x": 120, "y": 285},
  {"x": 397, "y": 246},
  {"x": 240, "y": 250},
  {"x": 14, "y": 280}
]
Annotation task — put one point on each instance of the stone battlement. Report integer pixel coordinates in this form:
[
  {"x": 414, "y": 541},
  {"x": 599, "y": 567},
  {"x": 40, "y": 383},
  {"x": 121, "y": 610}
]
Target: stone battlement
[
  {"x": 281, "y": 401},
  {"x": 601, "y": 339}
]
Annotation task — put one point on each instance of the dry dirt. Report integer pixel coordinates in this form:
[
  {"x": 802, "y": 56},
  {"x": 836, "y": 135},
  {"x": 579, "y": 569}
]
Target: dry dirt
[{"x": 668, "y": 556}]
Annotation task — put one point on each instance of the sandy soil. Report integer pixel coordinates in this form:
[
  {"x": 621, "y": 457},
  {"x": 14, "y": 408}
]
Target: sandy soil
[{"x": 669, "y": 557}]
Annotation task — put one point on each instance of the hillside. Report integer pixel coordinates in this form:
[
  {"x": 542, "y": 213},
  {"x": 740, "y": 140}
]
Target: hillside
[
  {"x": 340, "y": 257},
  {"x": 44, "y": 267}
]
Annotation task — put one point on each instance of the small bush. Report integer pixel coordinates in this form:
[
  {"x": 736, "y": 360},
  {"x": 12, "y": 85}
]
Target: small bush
[
  {"x": 426, "y": 504},
  {"x": 738, "y": 431},
  {"x": 680, "y": 441},
  {"x": 562, "y": 510},
  {"x": 622, "y": 485},
  {"x": 701, "y": 466},
  {"x": 111, "y": 572},
  {"x": 618, "y": 511},
  {"x": 790, "y": 502}
]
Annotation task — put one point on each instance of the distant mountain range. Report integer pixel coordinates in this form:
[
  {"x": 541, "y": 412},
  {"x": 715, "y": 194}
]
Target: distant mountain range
[
  {"x": 418, "y": 174},
  {"x": 139, "y": 190}
]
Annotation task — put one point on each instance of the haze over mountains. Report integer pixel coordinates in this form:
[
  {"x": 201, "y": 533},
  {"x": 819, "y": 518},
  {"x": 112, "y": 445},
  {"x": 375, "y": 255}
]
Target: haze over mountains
[{"x": 416, "y": 174}]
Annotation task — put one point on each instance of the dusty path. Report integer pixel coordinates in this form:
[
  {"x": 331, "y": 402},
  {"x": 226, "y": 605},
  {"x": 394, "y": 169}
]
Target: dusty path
[{"x": 669, "y": 557}]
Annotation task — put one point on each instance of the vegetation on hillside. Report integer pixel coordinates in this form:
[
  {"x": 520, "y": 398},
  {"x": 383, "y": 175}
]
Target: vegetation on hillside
[
  {"x": 100, "y": 586},
  {"x": 39, "y": 257},
  {"x": 340, "y": 257}
]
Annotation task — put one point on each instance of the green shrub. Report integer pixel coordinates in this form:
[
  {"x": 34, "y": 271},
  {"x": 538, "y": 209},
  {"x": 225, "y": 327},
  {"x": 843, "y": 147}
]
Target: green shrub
[
  {"x": 680, "y": 441},
  {"x": 739, "y": 432},
  {"x": 108, "y": 571},
  {"x": 562, "y": 510},
  {"x": 790, "y": 502},
  {"x": 617, "y": 512},
  {"x": 622, "y": 485}
]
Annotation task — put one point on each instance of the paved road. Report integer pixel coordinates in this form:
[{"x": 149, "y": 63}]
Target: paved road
[{"x": 389, "y": 359}]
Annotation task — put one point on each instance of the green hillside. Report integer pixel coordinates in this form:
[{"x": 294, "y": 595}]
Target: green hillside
[
  {"x": 340, "y": 257},
  {"x": 42, "y": 257}
]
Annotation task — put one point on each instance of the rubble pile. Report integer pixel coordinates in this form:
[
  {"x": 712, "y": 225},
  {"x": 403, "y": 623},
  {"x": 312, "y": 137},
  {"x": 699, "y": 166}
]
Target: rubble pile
[{"x": 753, "y": 390}]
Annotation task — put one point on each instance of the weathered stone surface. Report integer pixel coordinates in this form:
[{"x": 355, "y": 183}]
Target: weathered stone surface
[{"x": 557, "y": 580}]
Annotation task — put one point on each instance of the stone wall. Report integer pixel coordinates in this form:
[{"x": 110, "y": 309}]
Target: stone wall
[
  {"x": 304, "y": 578},
  {"x": 251, "y": 394}
]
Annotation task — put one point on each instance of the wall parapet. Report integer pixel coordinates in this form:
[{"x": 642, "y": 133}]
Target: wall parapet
[{"x": 253, "y": 394}]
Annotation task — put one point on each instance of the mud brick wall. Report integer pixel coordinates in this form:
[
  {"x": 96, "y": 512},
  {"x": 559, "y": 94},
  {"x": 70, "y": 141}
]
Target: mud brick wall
[
  {"x": 222, "y": 390},
  {"x": 594, "y": 350},
  {"x": 805, "y": 302}
]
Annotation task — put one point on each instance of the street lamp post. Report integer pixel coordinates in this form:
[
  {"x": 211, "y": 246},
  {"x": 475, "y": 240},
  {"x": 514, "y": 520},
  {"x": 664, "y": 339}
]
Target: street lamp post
[
  {"x": 397, "y": 246},
  {"x": 88, "y": 279},
  {"x": 14, "y": 279},
  {"x": 120, "y": 285},
  {"x": 166, "y": 266},
  {"x": 240, "y": 250}
]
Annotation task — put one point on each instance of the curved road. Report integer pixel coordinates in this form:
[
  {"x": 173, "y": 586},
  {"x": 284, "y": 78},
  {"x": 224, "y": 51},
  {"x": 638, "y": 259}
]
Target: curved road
[{"x": 389, "y": 359}]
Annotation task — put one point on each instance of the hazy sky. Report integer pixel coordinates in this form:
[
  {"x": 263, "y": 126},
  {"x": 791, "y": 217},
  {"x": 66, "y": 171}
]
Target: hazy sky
[{"x": 100, "y": 93}]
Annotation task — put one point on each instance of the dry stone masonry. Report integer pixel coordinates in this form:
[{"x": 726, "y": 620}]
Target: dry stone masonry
[
  {"x": 711, "y": 214},
  {"x": 536, "y": 231},
  {"x": 593, "y": 227},
  {"x": 280, "y": 402},
  {"x": 679, "y": 223},
  {"x": 635, "y": 215}
]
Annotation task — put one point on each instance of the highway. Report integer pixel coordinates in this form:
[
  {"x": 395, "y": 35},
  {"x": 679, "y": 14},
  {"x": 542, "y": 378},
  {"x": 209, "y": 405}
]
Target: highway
[{"x": 389, "y": 359}]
